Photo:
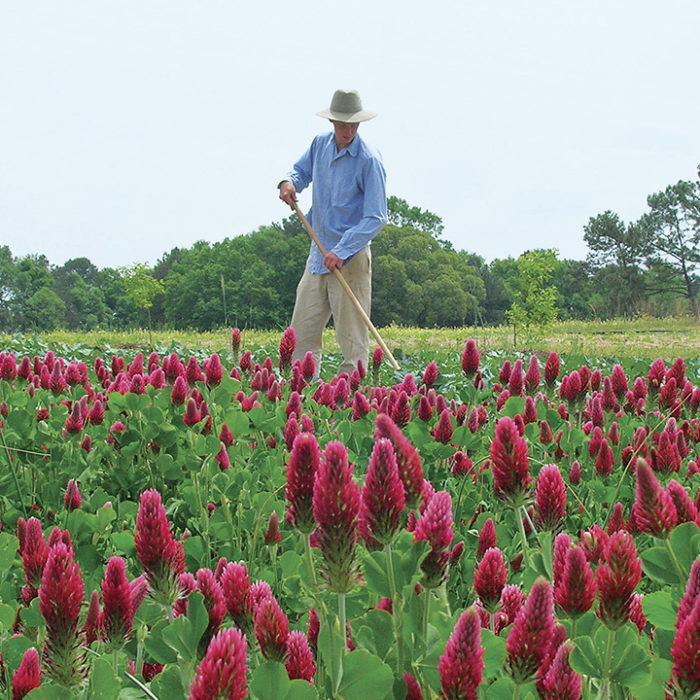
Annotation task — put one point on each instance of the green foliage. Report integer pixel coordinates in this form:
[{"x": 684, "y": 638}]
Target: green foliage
[
  {"x": 534, "y": 304},
  {"x": 139, "y": 285},
  {"x": 224, "y": 513}
]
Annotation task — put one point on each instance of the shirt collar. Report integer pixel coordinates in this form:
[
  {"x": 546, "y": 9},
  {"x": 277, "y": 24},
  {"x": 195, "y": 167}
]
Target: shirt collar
[{"x": 352, "y": 150}]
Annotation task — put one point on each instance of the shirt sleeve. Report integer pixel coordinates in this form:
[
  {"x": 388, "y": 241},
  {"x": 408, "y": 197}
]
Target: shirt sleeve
[
  {"x": 374, "y": 212},
  {"x": 300, "y": 174}
]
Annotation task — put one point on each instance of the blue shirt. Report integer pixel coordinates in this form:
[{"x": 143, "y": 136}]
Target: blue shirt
[{"x": 348, "y": 203}]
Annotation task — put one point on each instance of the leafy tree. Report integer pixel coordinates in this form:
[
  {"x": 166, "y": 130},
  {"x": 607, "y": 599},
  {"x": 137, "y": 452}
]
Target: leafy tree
[
  {"x": 672, "y": 228},
  {"x": 402, "y": 215},
  {"x": 578, "y": 296},
  {"x": 121, "y": 311},
  {"x": 141, "y": 288},
  {"x": 78, "y": 283},
  {"x": 43, "y": 311},
  {"x": 7, "y": 283},
  {"x": 617, "y": 252},
  {"x": 411, "y": 264},
  {"x": 535, "y": 297},
  {"x": 496, "y": 298},
  {"x": 31, "y": 274}
]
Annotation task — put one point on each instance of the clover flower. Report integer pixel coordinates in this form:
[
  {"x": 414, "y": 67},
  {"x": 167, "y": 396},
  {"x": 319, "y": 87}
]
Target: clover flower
[
  {"x": 60, "y": 598},
  {"x": 561, "y": 682},
  {"x": 160, "y": 554},
  {"x": 461, "y": 666},
  {"x": 528, "y": 643},
  {"x": 222, "y": 672},
  {"x": 654, "y": 511},
  {"x": 490, "y": 577},
  {"x": 550, "y": 498},
  {"x": 28, "y": 674},
  {"x": 382, "y": 500},
  {"x": 302, "y": 468},
  {"x": 272, "y": 630},
  {"x": 470, "y": 358},
  {"x": 117, "y": 609},
  {"x": 435, "y": 526},
  {"x": 574, "y": 592},
  {"x": 336, "y": 505},
  {"x": 407, "y": 458},
  {"x": 300, "y": 660},
  {"x": 509, "y": 461},
  {"x": 616, "y": 579}
]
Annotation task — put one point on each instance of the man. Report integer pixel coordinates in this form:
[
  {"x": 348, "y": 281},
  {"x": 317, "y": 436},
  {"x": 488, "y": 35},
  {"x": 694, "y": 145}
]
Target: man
[{"x": 348, "y": 210}]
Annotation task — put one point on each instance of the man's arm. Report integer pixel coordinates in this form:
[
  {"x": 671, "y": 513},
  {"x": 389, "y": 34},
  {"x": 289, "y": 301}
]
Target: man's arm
[
  {"x": 374, "y": 214},
  {"x": 298, "y": 178}
]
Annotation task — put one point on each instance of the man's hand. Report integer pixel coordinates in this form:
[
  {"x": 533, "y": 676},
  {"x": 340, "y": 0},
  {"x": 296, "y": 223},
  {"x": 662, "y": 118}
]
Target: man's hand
[
  {"x": 288, "y": 193},
  {"x": 332, "y": 262}
]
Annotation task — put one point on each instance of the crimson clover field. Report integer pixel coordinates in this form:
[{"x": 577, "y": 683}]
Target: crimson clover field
[{"x": 478, "y": 525}]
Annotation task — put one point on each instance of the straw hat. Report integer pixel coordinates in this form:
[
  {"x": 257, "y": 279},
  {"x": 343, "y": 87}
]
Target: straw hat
[{"x": 346, "y": 106}]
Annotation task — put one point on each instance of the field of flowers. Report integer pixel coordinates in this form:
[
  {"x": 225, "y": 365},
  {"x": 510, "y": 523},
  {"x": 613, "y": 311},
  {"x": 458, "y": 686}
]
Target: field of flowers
[{"x": 477, "y": 525}]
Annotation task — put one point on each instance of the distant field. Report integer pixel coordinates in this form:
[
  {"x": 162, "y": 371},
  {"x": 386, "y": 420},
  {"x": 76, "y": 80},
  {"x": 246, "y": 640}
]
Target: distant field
[{"x": 646, "y": 338}]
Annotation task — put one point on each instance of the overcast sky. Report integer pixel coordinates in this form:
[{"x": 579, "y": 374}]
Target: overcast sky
[{"x": 131, "y": 127}]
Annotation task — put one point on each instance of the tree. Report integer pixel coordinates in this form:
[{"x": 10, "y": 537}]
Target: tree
[
  {"x": 31, "y": 275},
  {"x": 7, "y": 282},
  {"x": 672, "y": 230},
  {"x": 402, "y": 215},
  {"x": 617, "y": 252},
  {"x": 534, "y": 303},
  {"x": 79, "y": 284},
  {"x": 43, "y": 310},
  {"x": 141, "y": 288}
]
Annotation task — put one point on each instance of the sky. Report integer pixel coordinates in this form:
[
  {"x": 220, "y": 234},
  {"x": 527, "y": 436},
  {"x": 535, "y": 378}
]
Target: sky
[{"x": 128, "y": 128}]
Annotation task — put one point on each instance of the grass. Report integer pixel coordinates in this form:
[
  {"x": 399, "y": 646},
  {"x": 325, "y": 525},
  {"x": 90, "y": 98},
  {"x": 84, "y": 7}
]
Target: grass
[{"x": 644, "y": 338}]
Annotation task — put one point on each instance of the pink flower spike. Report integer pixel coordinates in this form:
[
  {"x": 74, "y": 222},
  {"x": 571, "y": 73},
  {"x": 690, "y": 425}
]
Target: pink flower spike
[
  {"x": 561, "y": 682},
  {"x": 685, "y": 652},
  {"x": 117, "y": 612},
  {"x": 272, "y": 630},
  {"x": 490, "y": 576},
  {"x": 470, "y": 358},
  {"x": 222, "y": 672},
  {"x": 161, "y": 556},
  {"x": 60, "y": 599},
  {"x": 288, "y": 343},
  {"x": 235, "y": 585},
  {"x": 72, "y": 500},
  {"x": 461, "y": 665},
  {"x": 509, "y": 461},
  {"x": 550, "y": 498},
  {"x": 28, "y": 674},
  {"x": 407, "y": 458},
  {"x": 654, "y": 511},
  {"x": 382, "y": 497},
  {"x": 300, "y": 661},
  {"x": 272, "y": 535},
  {"x": 213, "y": 371},
  {"x": 443, "y": 431},
  {"x": 574, "y": 593},
  {"x": 435, "y": 527},
  {"x": 691, "y": 594},
  {"x": 616, "y": 578},
  {"x": 336, "y": 505},
  {"x": 528, "y": 643},
  {"x": 302, "y": 467},
  {"x": 487, "y": 538}
]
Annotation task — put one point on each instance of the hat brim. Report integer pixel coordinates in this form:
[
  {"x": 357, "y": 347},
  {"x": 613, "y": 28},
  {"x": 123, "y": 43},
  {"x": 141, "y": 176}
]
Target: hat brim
[{"x": 351, "y": 118}]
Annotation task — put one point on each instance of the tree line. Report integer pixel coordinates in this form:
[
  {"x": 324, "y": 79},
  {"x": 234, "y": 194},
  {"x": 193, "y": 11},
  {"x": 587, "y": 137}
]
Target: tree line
[{"x": 650, "y": 266}]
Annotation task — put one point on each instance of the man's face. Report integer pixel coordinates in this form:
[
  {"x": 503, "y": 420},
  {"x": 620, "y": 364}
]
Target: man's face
[{"x": 344, "y": 134}]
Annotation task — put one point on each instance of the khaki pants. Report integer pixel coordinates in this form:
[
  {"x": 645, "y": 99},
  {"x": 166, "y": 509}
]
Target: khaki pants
[{"x": 319, "y": 297}]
